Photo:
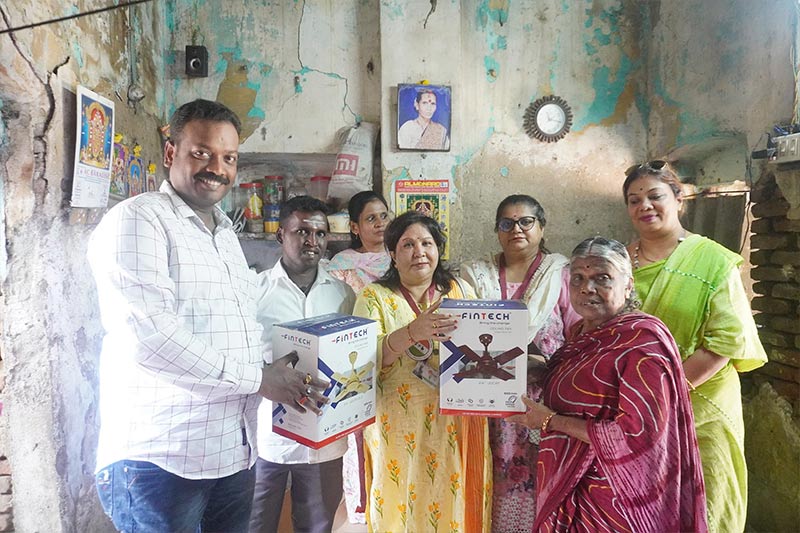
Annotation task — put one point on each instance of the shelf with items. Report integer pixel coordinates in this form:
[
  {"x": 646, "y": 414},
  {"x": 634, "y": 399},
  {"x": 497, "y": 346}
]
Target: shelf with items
[
  {"x": 295, "y": 168},
  {"x": 332, "y": 237}
]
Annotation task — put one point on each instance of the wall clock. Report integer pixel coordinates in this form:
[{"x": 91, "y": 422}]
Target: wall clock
[{"x": 548, "y": 119}]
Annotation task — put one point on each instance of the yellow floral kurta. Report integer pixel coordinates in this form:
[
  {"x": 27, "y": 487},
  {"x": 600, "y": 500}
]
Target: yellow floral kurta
[{"x": 425, "y": 471}]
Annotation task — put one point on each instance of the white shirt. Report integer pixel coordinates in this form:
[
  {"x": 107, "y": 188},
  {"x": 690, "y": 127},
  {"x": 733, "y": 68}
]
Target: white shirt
[
  {"x": 182, "y": 353},
  {"x": 279, "y": 301}
]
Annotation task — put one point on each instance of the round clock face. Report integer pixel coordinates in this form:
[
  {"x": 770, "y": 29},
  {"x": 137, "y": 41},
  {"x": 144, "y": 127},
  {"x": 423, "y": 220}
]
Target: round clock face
[
  {"x": 548, "y": 119},
  {"x": 551, "y": 118}
]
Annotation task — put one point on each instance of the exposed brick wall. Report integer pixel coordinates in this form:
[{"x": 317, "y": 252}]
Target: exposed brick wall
[
  {"x": 6, "y": 516},
  {"x": 776, "y": 258}
]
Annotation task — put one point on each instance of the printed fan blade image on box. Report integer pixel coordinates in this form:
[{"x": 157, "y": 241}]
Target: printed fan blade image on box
[
  {"x": 483, "y": 367},
  {"x": 339, "y": 349}
]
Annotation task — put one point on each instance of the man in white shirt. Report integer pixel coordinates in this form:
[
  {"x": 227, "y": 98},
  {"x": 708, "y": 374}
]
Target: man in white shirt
[
  {"x": 296, "y": 288},
  {"x": 181, "y": 368}
]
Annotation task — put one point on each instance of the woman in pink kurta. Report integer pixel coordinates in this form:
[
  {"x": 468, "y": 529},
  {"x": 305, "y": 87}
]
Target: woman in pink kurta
[
  {"x": 524, "y": 270},
  {"x": 619, "y": 451}
]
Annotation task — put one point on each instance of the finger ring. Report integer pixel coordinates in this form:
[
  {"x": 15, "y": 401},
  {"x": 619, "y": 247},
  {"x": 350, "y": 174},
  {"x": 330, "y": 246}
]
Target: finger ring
[
  {"x": 435, "y": 325},
  {"x": 302, "y": 400},
  {"x": 308, "y": 391},
  {"x": 307, "y": 379}
]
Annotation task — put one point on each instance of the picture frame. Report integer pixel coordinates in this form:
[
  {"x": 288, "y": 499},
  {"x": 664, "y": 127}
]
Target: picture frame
[{"x": 424, "y": 115}]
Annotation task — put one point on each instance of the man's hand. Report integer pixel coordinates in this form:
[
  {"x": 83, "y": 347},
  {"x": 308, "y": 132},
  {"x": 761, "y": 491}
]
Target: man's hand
[{"x": 292, "y": 388}]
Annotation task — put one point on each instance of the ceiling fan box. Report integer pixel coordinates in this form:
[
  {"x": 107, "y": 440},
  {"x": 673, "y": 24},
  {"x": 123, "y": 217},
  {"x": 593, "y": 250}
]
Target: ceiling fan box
[
  {"x": 507, "y": 322},
  {"x": 323, "y": 345}
]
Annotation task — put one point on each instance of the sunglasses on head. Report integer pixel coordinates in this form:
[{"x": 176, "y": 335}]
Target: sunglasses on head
[
  {"x": 649, "y": 166},
  {"x": 507, "y": 224}
]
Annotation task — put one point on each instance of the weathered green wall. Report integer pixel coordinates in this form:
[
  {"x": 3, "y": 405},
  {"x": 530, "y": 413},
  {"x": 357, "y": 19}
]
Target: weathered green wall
[
  {"x": 296, "y": 72},
  {"x": 50, "y": 326},
  {"x": 698, "y": 78}
]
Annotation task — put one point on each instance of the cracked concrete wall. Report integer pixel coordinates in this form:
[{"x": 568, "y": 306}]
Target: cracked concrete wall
[
  {"x": 51, "y": 329},
  {"x": 499, "y": 56},
  {"x": 295, "y": 72}
]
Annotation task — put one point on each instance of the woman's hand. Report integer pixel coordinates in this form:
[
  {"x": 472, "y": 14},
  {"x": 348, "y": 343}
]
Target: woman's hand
[
  {"x": 431, "y": 325},
  {"x": 534, "y": 416}
]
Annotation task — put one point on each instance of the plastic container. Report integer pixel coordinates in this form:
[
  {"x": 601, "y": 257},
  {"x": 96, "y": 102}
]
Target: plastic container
[
  {"x": 318, "y": 187},
  {"x": 273, "y": 190},
  {"x": 296, "y": 189},
  {"x": 272, "y": 214},
  {"x": 253, "y": 206},
  {"x": 339, "y": 222}
]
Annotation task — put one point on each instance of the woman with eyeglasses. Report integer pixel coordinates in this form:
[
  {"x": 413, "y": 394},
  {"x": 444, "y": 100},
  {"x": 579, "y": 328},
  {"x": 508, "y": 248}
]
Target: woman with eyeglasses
[
  {"x": 693, "y": 285},
  {"x": 363, "y": 263},
  {"x": 426, "y": 471},
  {"x": 523, "y": 270}
]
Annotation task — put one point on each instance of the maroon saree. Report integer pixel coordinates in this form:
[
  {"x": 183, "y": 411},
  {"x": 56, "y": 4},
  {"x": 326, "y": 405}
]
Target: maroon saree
[{"x": 642, "y": 470}]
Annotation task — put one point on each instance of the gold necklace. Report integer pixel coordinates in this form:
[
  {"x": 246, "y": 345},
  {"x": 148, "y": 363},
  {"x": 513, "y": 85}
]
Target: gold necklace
[{"x": 639, "y": 249}]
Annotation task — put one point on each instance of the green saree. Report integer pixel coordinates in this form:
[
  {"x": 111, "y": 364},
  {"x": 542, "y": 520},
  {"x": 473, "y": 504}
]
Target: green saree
[{"x": 697, "y": 292}]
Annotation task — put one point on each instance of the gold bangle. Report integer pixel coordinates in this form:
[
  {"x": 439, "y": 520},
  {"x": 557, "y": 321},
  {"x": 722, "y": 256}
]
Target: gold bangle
[
  {"x": 389, "y": 344},
  {"x": 546, "y": 421}
]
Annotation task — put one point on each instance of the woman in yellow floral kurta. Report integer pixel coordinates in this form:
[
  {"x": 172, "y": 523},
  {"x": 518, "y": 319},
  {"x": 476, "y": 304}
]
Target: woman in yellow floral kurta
[{"x": 425, "y": 471}]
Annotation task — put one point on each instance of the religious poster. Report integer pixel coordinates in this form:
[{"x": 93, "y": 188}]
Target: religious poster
[
  {"x": 152, "y": 180},
  {"x": 119, "y": 181},
  {"x": 136, "y": 173},
  {"x": 429, "y": 197},
  {"x": 93, "y": 150}
]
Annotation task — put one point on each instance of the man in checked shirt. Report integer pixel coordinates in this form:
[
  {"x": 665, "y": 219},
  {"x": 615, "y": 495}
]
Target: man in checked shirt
[{"x": 181, "y": 368}]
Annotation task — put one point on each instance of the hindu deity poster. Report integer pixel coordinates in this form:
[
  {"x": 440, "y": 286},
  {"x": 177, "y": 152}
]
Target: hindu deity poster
[
  {"x": 429, "y": 197},
  {"x": 93, "y": 150},
  {"x": 119, "y": 179}
]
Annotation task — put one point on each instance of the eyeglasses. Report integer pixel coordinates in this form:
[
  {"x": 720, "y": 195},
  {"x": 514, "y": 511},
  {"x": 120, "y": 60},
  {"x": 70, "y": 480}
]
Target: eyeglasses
[
  {"x": 507, "y": 224},
  {"x": 654, "y": 166}
]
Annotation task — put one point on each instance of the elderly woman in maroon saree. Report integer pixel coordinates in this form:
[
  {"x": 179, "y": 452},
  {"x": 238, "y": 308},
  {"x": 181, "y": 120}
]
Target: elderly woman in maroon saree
[{"x": 619, "y": 450}]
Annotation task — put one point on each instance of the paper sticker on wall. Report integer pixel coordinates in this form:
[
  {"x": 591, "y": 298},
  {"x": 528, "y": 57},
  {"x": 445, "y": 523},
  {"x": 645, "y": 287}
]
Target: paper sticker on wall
[{"x": 429, "y": 197}]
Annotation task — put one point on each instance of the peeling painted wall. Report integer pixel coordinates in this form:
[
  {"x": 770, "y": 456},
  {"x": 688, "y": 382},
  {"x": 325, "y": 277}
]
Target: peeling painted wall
[
  {"x": 642, "y": 79},
  {"x": 51, "y": 329},
  {"x": 499, "y": 56},
  {"x": 295, "y": 72}
]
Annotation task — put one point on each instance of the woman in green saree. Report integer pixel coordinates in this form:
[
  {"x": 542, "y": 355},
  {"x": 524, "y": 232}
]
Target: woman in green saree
[{"x": 693, "y": 285}]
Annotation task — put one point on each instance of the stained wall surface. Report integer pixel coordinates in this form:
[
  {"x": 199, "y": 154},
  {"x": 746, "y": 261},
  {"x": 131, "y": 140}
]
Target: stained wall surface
[
  {"x": 51, "y": 329},
  {"x": 693, "y": 78}
]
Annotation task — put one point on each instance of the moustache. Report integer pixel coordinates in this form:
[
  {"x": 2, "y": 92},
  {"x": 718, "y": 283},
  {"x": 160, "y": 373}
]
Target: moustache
[{"x": 212, "y": 176}]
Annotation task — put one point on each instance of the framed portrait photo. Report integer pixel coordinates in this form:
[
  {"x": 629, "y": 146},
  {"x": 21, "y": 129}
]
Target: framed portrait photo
[{"x": 423, "y": 117}]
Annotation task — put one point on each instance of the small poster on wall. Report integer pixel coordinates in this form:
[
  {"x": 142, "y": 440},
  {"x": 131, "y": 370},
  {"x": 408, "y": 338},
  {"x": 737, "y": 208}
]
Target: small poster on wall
[
  {"x": 93, "y": 150},
  {"x": 429, "y": 197},
  {"x": 423, "y": 117},
  {"x": 119, "y": 181}
]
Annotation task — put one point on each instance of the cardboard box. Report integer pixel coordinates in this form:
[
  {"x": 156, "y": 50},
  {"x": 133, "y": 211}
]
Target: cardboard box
[
  {"x": 342, "y": 350},
  {"x": 483, "y": 368}
]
